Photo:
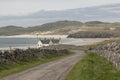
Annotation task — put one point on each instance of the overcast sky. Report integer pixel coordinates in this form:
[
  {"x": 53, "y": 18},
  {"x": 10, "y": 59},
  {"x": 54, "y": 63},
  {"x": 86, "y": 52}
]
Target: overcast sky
[{"x": 25, "y": 7}]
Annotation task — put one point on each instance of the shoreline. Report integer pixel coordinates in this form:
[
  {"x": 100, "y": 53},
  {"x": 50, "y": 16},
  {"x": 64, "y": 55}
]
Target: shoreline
[
  {"x": 34, "y": 36},
  {"x": 87, "y": 41},
  {"x": 75, "y": 42},
  {"x": 18, "y": 47}
]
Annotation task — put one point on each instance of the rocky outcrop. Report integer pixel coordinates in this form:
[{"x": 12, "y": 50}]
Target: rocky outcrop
[
  {"x": 87, "y": 34},
  {"x": 23, "y": 55},
  {"x": 110, "y": 50}
]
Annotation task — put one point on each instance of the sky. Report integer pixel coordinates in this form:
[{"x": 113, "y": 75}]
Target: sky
[{"x": 26, "y": 7}]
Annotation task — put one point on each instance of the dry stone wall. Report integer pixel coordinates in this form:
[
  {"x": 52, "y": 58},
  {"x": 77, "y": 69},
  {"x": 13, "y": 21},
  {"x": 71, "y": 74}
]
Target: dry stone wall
[
  {"x": 110, "y": 50},
  {"x": 21, "y": 55}
]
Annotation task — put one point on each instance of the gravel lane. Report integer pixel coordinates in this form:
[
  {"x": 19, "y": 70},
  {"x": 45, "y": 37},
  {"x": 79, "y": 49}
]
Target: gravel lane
[{"x": 55, "y": 70}]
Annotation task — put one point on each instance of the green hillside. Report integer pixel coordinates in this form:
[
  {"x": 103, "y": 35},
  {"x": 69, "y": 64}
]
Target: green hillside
[{"x": 63, "y": 27}]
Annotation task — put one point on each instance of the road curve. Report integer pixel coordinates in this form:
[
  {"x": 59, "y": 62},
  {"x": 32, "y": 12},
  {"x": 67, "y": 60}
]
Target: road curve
[{"x": 55, "y": 70}]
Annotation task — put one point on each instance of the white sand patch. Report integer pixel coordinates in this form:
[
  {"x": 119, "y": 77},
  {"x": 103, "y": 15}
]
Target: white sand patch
[
  {"x": 34, "y": 36},
  {"x": 86, "y": 41}
]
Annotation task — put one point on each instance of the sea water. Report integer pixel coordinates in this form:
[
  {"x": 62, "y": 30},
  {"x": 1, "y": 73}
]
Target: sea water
[
  {"x": 32, "y": 42},
  {"x": 28, "y": 42}
]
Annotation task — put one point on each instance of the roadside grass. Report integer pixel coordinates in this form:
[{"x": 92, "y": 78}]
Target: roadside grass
[
  {"x": 93, "y": 67},
  {"x": 7, "y": 69}
]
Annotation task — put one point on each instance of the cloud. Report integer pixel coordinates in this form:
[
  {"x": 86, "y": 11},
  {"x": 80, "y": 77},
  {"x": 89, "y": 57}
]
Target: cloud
[{"x": 24, "y": 7}]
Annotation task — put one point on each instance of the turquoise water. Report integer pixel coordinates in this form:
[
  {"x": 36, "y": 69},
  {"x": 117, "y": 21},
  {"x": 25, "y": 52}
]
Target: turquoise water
[
  {"x": 6, "y": 43},
  {"x": 21, "y": 42},
  {"x": 15, "y": 42}
]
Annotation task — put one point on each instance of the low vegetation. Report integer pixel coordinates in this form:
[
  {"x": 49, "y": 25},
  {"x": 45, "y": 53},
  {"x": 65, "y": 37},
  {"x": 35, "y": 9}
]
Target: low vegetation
[
  {"x": 19, "y": 60},
  {"x": 64, "y": 27},
  {"x": 93, "y": 67}
]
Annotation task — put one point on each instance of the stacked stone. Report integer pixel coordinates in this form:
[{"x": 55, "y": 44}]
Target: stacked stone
[
  {"x": 111, "y": 51},
  {"x": 23, "y": 55}
]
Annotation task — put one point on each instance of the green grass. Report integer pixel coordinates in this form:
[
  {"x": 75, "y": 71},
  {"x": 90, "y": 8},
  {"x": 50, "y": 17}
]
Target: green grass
[
  {"x": 93, "y": 67},
  {"x": 7, "y": 69}
]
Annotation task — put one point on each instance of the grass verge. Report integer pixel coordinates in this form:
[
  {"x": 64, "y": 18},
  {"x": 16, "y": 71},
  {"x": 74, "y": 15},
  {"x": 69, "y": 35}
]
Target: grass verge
[
  {"x": 93, "y": 67},
  {"x": 7, "y": 69}
]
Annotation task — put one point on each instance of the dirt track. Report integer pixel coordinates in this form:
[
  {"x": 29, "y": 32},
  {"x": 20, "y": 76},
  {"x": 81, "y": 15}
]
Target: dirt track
[{"x": 55, "y": 70}]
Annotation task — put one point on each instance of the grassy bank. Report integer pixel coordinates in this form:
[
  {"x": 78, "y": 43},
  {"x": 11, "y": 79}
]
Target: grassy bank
[
  {"x": 7, "y": 69},
  {"x": 93, "y": 67}
]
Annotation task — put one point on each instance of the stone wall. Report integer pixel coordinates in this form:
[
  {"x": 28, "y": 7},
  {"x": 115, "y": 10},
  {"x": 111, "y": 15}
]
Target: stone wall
[
  {"x": 21, "y": 55},
  {"x": 110, "y": 50}
]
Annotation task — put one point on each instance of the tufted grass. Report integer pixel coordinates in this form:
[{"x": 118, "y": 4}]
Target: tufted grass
[{"x": 93, "y": 67}]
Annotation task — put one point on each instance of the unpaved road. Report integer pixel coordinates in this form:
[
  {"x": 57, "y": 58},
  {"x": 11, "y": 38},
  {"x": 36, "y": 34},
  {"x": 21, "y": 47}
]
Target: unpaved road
[{"x": 55, "y": 70}]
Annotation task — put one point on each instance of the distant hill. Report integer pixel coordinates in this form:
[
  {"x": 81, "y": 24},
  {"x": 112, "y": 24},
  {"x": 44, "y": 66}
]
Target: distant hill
[
  {"x": 63, "y": 27},
  {"x": 11, "y": 30},
  {"x": 54, "y": 26},
  {"x": 106, "y": 13}
]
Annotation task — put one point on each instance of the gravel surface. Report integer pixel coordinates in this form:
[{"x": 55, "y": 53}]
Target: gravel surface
[{"x": 55, "y": 70}]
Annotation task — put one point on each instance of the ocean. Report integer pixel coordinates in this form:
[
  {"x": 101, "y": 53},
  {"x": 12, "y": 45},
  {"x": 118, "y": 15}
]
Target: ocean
[
  {"x": 26, "y": 42},
  {"x": 6, "y": 43}
]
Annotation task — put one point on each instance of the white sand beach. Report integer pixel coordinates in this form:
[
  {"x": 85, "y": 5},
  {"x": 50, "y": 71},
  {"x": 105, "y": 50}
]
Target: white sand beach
[
  {"x": 34, "y": 36},
  {"x": 86, "y": 41}
]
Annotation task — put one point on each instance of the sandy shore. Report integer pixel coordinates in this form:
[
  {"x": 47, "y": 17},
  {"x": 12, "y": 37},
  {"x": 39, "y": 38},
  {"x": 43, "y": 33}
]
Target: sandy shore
[
  {"x": 87, "y": 41},
  {"x": 34, "y": 36},
  {"x": 19, "y": 47}
]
